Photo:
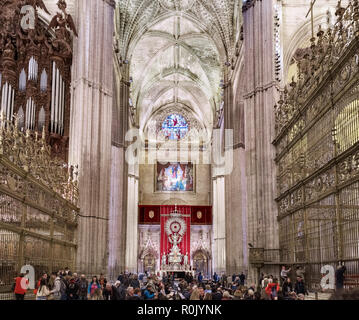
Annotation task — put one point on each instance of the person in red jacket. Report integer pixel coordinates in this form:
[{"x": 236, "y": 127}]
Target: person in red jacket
[
  {"x": 21, "y": 285},
  {"x": 272, "y": 289}
]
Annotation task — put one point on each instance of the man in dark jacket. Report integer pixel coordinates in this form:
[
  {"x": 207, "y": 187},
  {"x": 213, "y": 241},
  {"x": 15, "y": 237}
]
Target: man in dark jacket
[
  {"x": 83, "y": 286},
  {"x": 120, "y": 291},
  {"x": 200, "y": 278},
  {"x": 287, "y": 287},
  {"x": 72, "y": 289},
  {"x": 299, "y": 287},
  {"x": 134, "y": 283},
  {"x": 242, "y": 277},
  {"x": 217, "y": 295},
  {"x": 339, "y": 277}
]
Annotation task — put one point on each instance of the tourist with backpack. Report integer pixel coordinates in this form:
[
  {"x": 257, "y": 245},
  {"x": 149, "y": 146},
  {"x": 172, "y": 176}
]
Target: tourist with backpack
[{"x": 63, "y": 287}]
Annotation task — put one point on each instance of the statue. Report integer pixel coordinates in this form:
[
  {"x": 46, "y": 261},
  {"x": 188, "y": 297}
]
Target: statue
[
  {"x": 175, "y": 239},
  {"x": 185, "y": 259},
  {"x": 61, "y": 21},
  {"x": 164, "y": 259}
]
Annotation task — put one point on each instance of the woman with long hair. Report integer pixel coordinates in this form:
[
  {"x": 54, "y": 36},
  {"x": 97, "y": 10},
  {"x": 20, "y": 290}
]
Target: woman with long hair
[
  {"x": 43, "y": 291},
  {"x": 94, "y": 284}
]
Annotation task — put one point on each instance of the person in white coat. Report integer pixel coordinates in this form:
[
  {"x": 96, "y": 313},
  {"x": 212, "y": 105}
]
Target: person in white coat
[{"x": 43, "y": 291}]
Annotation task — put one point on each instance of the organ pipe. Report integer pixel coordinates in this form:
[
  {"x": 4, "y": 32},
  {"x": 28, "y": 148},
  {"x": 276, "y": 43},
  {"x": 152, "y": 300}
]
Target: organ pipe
[
  {"x": 58, "y": 101},
  {"x": 7, "y": 100}
]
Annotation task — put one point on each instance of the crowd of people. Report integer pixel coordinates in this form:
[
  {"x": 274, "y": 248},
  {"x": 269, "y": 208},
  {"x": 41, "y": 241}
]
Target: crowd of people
[{"x": 65, "y": 285}]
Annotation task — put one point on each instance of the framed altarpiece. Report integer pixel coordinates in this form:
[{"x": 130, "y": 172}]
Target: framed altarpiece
[{"x": 175, "y": 177}]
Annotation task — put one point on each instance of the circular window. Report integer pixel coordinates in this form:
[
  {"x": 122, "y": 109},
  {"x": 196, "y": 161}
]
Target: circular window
[{"x": 175, "y": 127}]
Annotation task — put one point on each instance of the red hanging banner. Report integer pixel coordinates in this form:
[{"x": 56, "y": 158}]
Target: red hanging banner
[{"x": 175, "y": 229}]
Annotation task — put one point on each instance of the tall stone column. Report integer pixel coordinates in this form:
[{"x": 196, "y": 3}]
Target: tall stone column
[
  {"x": 219, "y": 224},
  {"x": 90, "y": 134},
  {"x": 259, "y": 98},
  {"x": 132, "y": 219},
  {"x": 219, "y": 201},
  {"x": 119, "y": 170}
]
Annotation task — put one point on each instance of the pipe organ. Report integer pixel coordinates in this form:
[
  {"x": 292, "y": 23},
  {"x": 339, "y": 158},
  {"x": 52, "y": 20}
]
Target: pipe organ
[{"x": 35, "y": 73}]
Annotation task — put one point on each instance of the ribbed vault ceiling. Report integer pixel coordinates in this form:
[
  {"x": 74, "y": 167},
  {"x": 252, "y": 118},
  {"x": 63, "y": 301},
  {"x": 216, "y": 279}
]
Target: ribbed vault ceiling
[{"x": 177, "y": 50}]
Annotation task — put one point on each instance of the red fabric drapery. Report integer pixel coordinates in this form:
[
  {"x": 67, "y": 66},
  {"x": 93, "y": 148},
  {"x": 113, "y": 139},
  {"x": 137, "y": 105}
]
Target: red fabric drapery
[{"x": 185, "y": 244}]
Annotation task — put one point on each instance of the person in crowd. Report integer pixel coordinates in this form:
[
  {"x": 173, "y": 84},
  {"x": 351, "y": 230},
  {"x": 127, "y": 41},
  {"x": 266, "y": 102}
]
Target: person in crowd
[
  {"x": 217, "y": 295},
  {"x": 136, "y": 295},
  {"x": 287, "y": 287},
  {"x": 238, "y": 295},
  {"x": 242, "y": 278},
  {"x": 134, "y": 282},
  {"x": 43, "y": 276},
  {"x": 94, "y": 284},
  {"x": 264, "y": 285},
  {"x": 339, "y": 277},
  {"x": 120, "y": 291},
  {"x": 108, "y": 292},
  {"x": 272, "y": 289},
  {"x": 226, "y": 296},
  {"x": 21, "y": 286},
  {"x": 253, "y": 287},
  {"x": 43, "y": 291},
  {"x": 300, "y": 272},
  {"x": 187, "y": 292},
  {"x": 82, "y": 288},
  {"x": 208, "y": 293},
  {"x": 149, "y": 293},
  {"x": 249, "y": 294},
  {"x": 129, "y": 293},
  {"x": 66, "y": 271},
  {"x": 102, "y": 281},
  {"x": 56, "y": 291},
  {"x": 195, "y": 294},
  {"x": 64, "y": 283},
  {"x": 284, "y": 273},
  {"x": 200, "y": 277},
  {"x": 76, "y": 278},
  {"x": 72, "y": 288},
  {"x": 261, "y": 279},
  {"x": 299, "y": 287}
]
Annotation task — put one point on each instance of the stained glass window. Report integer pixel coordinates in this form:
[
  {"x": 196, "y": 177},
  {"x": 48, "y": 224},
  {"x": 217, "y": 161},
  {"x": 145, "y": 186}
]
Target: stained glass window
[{"x": 175, "y": 127}]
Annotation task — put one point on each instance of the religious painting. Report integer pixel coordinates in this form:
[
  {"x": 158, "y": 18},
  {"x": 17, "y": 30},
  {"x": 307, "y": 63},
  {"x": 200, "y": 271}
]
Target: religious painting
[
  {"x": 175, "y": 127},
  {"x": 175, "y": 177}
]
